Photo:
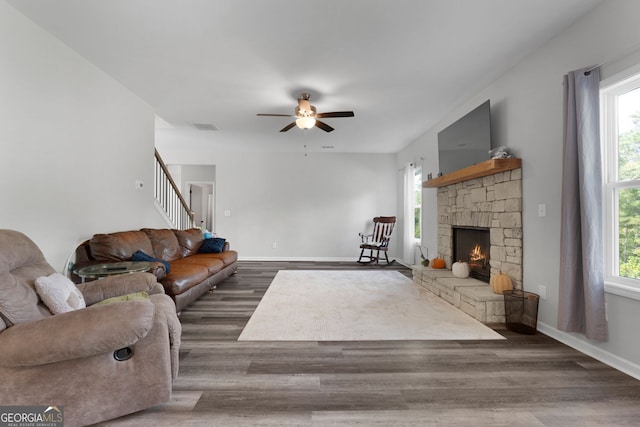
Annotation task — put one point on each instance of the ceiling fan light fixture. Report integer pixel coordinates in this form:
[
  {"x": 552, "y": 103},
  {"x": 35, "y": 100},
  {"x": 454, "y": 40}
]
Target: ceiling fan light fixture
[
  {"x": 305, "y": 122},
  {"x": 306, "y": 115}
]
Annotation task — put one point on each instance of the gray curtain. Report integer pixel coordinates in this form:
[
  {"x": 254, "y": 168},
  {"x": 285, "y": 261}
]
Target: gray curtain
[{"x": 581, "y": 299}]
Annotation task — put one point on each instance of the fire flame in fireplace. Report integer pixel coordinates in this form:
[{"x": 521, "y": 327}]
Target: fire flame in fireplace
[{"x": 476, "y": 256}]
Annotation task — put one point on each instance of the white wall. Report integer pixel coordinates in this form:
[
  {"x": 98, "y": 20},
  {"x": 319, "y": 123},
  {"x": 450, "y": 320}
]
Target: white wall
[
  {"x": 185, "y": 175},
  {"x": 72, "y": 144},
  {"x": 527, "y": 116},
  {"x": 312, "y": 207}
]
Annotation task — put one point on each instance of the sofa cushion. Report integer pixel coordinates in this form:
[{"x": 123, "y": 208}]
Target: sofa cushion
[
  {"x": 212, "y": 264},
  {"x": 212, "y": 246},
  {"x": 119, "y": 246},
  {"x": 183, "y": 277},
  {"x": 59, "y": 293},
  {"x": 164, "y": 242},
  {"x": 227, "y": 257},
  {"x": 189, "y": 240}
]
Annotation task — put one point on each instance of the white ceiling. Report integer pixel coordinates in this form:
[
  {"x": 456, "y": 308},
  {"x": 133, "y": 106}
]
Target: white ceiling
[{"x": 401, "y": 65}]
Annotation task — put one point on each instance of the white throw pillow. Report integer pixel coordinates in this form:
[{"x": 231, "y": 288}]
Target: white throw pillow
[{"x": 59, "y": 293}]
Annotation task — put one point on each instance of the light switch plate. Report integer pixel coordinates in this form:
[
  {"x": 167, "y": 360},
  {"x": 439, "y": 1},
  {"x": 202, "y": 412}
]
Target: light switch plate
[{"x": 542, "y": 209}]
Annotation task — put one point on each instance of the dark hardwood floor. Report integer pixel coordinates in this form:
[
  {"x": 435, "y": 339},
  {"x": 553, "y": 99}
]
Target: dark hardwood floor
[{"x": 525, "y": 380}]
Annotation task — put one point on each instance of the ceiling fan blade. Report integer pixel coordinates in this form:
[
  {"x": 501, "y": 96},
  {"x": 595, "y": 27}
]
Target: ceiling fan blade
[
  {"x": 336, "y": 114},
  {"x": 287, "y": 127},
  {"x": 275, "y": 115},
  {"x": 325, "y": 127}
]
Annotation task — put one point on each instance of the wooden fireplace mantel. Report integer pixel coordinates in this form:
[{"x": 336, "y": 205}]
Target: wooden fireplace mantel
[{"x": 486, "y": 168}]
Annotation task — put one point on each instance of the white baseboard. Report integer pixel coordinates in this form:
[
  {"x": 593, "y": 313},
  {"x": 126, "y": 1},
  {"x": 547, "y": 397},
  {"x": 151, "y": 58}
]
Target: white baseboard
[
  {"x": 603, "y": 356},
  {"x": 401, "y": 262},
  {"x": 311, "y": 259},
  {"x": 318, "y": 259}
]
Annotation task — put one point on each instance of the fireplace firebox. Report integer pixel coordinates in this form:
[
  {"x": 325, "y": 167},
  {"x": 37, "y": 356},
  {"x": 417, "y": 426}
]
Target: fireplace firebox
[{"x": 472, "y": 245}]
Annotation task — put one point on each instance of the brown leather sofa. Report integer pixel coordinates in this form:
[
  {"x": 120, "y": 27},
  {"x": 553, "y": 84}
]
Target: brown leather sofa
[
  {"x": 98, "y": 362},
  {"x": 191, "y": 274}
]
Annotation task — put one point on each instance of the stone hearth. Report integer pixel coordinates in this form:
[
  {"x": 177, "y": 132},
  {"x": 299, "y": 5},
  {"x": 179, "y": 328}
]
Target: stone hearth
[{"x": 472, "y": 296}]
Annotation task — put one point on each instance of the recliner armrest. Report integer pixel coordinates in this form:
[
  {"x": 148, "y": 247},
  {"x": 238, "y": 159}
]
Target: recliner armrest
[
  {"x": 121, "y": 284},
  {"x": 80, "y": 333}
]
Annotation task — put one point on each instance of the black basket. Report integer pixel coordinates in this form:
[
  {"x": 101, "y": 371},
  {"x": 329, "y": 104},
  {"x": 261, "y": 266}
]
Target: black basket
[{"x": 521, "y": 311}]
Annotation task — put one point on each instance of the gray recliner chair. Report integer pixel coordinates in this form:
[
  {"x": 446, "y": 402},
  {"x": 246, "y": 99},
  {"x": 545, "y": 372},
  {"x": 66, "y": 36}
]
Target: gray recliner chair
[{"x": 98, "y": 362}]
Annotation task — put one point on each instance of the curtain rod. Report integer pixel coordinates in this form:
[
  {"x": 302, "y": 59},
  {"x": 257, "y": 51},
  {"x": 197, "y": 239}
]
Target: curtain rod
[{"x": 612, "y": 59}]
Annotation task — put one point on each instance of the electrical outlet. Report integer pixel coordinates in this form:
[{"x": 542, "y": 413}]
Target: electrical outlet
[
  {"x": 274, "y": 245},
  {"x": 542, "y": 290}
]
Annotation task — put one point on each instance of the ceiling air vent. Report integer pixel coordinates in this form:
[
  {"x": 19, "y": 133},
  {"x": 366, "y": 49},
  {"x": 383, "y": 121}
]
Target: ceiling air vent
[{"x": 204, "y": 126}]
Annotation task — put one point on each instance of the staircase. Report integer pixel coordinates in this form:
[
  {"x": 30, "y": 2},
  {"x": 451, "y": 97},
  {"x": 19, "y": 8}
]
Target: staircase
[{"x": 168, "y": 198}]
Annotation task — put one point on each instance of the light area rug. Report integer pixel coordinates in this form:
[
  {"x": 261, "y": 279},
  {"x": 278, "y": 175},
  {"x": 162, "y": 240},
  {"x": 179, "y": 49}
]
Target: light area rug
[{"x": 315, "y": 305}]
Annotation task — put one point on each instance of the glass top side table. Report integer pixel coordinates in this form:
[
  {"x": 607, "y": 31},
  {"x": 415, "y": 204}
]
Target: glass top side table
[{"x": 111, "y": 268}]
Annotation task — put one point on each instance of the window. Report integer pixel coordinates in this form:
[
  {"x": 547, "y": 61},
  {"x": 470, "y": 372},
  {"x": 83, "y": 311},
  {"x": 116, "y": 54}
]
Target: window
[
  {"x": 620, "y": 114},
  {"x": 417, "y": 207}
]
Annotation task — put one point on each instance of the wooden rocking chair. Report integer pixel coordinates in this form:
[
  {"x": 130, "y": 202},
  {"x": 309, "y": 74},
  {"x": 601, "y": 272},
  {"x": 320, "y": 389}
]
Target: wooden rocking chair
[{"x": 377, "y": 241}]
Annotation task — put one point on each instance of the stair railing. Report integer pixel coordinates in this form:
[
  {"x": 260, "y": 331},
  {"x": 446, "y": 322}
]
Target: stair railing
[{"x": 169, "y": 198}]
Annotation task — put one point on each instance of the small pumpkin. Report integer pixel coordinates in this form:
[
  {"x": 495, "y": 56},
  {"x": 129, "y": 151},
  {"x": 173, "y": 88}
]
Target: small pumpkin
[
  {"x": 500, "y": 283},
  {"x": 460, "y": 269},
  {"x": 438, "y": 263}
]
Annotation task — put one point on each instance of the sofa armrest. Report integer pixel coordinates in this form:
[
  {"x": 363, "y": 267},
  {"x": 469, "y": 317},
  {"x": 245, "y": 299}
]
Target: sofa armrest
[
  {"x": 76, "y": 334},
  {"x": 121, "y": 284}
]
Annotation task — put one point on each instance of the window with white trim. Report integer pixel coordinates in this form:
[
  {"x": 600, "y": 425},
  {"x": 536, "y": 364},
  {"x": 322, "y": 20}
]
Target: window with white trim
[{"x": 620, "y": 133}]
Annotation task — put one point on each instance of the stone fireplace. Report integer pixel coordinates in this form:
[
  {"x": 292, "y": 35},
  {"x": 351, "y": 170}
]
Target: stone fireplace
[
  {"x": 492, "y": 203},
  {"x": 484, "y": 200}
]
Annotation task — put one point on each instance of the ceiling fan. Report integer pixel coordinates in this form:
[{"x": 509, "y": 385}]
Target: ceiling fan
[{"x": 307, "y": 116}]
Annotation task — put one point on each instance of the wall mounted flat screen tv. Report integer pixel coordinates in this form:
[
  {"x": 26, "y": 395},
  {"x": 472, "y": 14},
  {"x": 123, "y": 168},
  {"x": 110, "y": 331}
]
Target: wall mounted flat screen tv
[{"x": 467, "y": 141}]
